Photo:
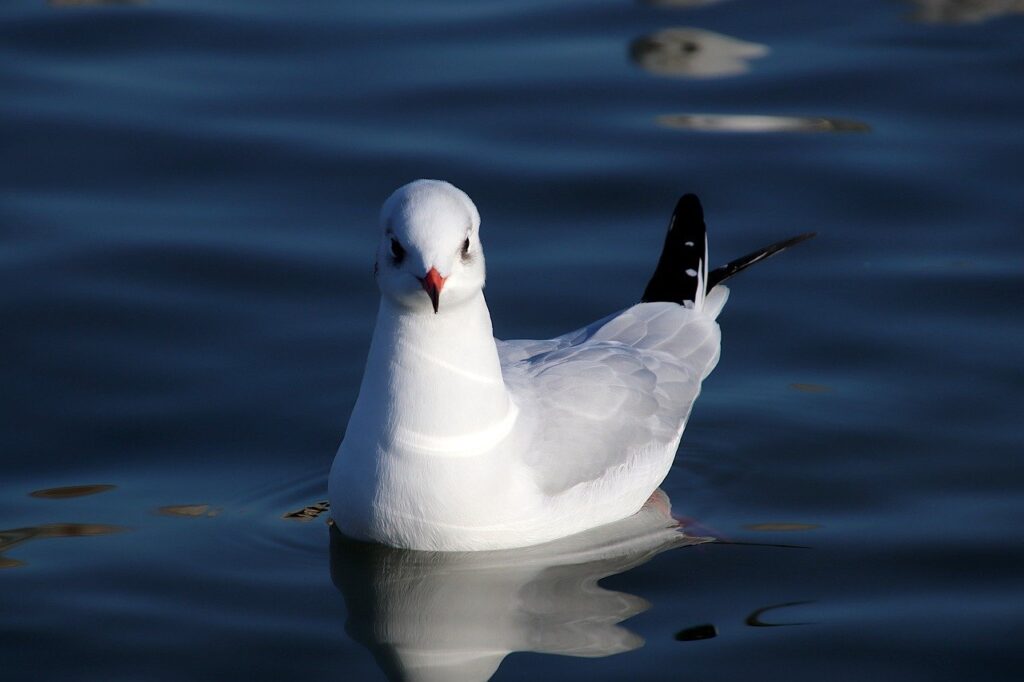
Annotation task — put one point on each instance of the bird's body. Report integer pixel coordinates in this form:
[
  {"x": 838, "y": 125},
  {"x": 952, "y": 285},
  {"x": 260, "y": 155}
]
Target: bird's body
[{"x": 462, "y": 442}]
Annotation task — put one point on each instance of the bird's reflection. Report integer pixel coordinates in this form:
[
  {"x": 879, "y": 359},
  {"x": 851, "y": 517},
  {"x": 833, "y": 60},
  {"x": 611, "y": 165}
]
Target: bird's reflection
[
  {"x": 964, "y": 11},
  {"x": 694, "y": 53},
  {"x": 455, "y": 616}
]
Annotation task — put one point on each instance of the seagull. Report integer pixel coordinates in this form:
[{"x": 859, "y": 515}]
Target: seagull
[{"x": 462, "y": 442}]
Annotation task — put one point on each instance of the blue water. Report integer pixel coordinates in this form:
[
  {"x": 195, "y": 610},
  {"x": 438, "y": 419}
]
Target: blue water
[{"x": 188, "y": 198}]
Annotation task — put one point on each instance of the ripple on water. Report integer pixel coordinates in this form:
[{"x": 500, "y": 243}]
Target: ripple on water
[{"x": 262, "y": 519}]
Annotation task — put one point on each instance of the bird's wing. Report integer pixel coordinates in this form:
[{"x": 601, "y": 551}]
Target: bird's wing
[{"x": 606, "y": 396}]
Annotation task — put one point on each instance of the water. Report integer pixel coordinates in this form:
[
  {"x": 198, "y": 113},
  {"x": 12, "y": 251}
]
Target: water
[{"x": 189, "y": 192}]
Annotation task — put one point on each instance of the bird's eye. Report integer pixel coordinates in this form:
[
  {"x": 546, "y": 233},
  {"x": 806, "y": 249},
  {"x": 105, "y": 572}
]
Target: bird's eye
[
  {"x": 397, "y": 251},
  {"x": 465, "y": 248}
]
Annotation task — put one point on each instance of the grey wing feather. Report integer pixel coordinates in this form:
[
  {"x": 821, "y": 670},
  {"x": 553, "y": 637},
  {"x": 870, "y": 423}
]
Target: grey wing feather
[{"x": 608, "y": 392}]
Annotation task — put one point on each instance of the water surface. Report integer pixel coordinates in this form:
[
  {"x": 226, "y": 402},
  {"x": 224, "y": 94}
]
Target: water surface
[{"x": 188, "y": 201}]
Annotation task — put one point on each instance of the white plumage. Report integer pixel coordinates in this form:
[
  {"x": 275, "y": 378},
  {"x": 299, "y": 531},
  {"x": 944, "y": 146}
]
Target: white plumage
[{"x": 462, "y": 442}]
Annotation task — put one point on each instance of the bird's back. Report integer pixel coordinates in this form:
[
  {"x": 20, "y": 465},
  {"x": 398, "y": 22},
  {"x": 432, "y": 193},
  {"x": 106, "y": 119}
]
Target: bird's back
[{"x": 608, "y": 402}]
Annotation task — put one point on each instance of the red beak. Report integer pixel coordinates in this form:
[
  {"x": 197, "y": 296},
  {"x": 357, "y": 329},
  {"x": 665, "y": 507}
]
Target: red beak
[{"x": 432, "y": 283}]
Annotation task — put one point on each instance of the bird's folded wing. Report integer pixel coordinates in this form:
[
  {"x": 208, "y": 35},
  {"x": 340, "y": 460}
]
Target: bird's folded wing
[{"x": 607, "y": 396}]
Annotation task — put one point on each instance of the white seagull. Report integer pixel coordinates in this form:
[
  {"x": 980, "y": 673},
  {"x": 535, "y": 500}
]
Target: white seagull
[{"x": 459, "y": 441}]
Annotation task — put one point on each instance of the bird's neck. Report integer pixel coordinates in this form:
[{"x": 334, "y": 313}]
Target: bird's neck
[{"x": 433, "y": 381}]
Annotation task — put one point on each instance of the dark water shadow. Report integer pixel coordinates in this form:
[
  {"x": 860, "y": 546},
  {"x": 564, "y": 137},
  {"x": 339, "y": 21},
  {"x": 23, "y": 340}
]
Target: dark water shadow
[{"x": 455, "y": 615}]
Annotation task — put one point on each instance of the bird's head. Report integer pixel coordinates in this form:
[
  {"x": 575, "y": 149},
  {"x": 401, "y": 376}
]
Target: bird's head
[{"x": 429, "y": 258}]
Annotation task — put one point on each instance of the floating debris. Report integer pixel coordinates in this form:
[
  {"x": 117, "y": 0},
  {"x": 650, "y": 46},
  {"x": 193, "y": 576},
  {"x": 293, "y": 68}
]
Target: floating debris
[
  {"x": 67, "y": 491},
  {"x": 751, "y": 123},
  {"x": 308, "y": 513},
  {"x": 694, "y": 53},
  {"x": 189, "y": 510}
]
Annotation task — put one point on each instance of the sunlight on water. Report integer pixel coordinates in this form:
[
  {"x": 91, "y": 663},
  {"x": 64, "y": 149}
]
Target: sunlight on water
[
  {"x": 694, "y": 53},
  {"x": 748, "y": 123}
]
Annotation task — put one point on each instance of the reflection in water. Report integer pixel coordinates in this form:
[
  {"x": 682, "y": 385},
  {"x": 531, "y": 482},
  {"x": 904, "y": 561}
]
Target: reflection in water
[
  {"x": 71, "y": 491},
  {"x": 694, "y": 53},
  {"x": 964, "y": 11},
  {"x": 455, "y": 616},
  {"x": 746, "y": 123},
  {"x": 16, "y": 536}
]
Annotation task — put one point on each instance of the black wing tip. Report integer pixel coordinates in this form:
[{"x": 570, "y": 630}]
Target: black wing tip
[
  {"x": 682, "y": 253},
  {"x": 689, "y": 207},
  {"x": 688, "y": 199},
  {"x": 720, "y": 274},
  {"x": 793, "y": 241}
]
